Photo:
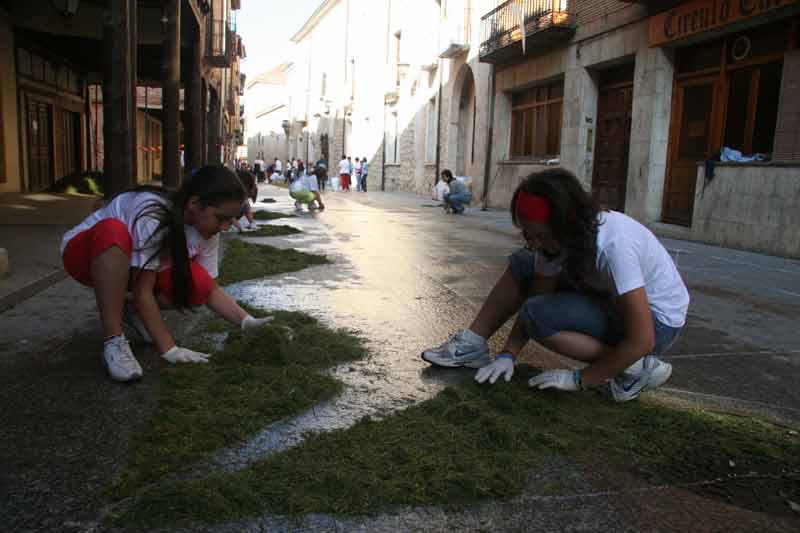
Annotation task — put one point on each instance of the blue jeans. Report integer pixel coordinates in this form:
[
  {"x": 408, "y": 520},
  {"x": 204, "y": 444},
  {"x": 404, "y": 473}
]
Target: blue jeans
[
  {"x": 593, "y": 314},
  {"x": 456, "y": 201}
]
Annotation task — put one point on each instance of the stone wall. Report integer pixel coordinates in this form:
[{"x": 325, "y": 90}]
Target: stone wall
[{"x": 749, "y": 206}]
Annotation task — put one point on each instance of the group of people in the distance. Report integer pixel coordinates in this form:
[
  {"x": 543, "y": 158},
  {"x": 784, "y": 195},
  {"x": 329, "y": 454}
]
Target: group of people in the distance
[
  {"x": 590, "y": 284},
  {"x": 349, "y": 170}
]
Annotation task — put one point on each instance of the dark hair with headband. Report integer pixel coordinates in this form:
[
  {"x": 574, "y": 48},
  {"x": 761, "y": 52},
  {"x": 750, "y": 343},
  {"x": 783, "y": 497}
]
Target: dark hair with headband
[{"x": 571, "y": 213}]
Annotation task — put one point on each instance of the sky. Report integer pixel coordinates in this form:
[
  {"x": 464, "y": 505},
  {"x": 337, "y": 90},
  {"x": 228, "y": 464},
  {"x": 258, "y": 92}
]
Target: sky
[{"x": 266, "y": 27}]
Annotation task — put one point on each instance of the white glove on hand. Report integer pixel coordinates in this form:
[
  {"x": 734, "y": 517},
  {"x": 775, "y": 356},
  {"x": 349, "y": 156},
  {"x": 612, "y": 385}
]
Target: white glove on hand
[
  {"x": 503, "y": 365},
  {"x": 252, "y": 323},
  {"x": 176, "y": 354},
  {"x": 566, "y": 380}
]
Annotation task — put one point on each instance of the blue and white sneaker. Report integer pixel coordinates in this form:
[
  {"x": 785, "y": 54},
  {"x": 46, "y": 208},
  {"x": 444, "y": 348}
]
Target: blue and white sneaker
[
  {"x": 465, "y": 348},
  {"x": 647, "y": 373}
]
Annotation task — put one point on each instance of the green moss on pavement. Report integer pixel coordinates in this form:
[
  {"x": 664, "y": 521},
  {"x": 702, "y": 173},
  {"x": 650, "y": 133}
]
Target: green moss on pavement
[
  {"x": 473, "y": 443},
  {"x": 273, "y": 231},
  {"x": 258, "y": 378},
  {"x": 270, "y": 215},
  {"x": 244, "y": 260}
]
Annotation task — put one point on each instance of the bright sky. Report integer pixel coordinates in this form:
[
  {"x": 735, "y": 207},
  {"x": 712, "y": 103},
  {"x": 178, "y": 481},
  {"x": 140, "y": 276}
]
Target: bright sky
[{"x": 266, "y": 27}]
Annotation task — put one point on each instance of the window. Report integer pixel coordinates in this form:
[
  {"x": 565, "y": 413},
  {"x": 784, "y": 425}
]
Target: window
[
  {"x": 391, "y": 140},
  {"x": 430, "y": 133},
  {"x": 752, "y": 109},
  {"x": 749, "y": 70},
  {"x": 536, "y": 121}
]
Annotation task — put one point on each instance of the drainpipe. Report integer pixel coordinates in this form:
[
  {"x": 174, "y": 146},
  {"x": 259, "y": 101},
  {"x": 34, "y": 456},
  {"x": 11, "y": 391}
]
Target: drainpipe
[
  {"x": 439, "y": 108},
  {"x": 487, "y": 169},
  {"x": 383, "y": 135},
  {"x": 346, "y": 49}
]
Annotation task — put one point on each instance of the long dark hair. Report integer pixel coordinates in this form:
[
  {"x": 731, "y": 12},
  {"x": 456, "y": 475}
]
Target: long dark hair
[
  {"x": 249, "y": 184},
  {"x": 573, "y": 216},
  {"x": 212, "y": 185}
]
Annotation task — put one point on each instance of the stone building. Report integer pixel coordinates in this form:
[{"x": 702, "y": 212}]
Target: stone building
[
  {"x": 266, "y": 110},
  {"x": 636, "y": 96},
  {"x": 633, "y": 96}
]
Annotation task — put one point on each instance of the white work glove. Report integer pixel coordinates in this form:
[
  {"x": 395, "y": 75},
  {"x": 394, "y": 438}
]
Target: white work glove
[
  {"x": 176, "y": 354},
  {"x": 566, "y": 380},
  {"x": 503, "y": 365},
  {"x": 252, "y": 323}
]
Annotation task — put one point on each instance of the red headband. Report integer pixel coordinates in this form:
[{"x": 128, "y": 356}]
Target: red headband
[{"x": 532, "y": 207}]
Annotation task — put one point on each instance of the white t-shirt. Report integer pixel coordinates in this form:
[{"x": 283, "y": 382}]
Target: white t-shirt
[
  {"x": 278, "y": 165},
  {"x": 125, "y": 207},
  {"x": 629, "y": 256},
  {"x": 344, "y": 166},
  {"x": 440, "y": 189},
  {"x": 306, "y": 182}
]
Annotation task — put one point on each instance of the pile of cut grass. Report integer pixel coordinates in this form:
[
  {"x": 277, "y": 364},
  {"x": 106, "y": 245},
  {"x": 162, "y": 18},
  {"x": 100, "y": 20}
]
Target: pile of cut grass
[
  {"x": 474, "y": 443},
  {"x": 270, "y": 215},
  {"x": 270, "y": 230},
  {"x": 259, "y": 377},
  {"x": 244, "y": 260}
]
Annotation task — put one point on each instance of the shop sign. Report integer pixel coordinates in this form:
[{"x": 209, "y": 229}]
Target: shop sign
[{"x": 702, "y": 15}]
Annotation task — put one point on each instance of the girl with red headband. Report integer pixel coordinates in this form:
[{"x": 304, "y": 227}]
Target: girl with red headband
[
  {"x": 162, "y": 246},
  {"x": 595, "y": 286}
]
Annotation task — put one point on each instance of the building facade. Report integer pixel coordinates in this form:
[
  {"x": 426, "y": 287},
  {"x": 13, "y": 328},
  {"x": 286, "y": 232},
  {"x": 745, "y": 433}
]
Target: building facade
[
  {"x": 637, "y": 98},
  {"x": 172, "y": 80},
  {"x": 266, "y": 109}
]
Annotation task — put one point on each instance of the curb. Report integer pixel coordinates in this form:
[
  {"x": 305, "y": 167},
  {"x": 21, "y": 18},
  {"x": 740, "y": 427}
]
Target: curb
[{"x": 31, "y": 289}]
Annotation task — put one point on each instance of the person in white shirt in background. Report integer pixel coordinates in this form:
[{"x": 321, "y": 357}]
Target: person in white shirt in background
[
  {"x": 344, "y": 173},
  {"x": 595, "y": 286},
  {"x": 163, "y": 246},
  {"x": 305, "y": 190}
]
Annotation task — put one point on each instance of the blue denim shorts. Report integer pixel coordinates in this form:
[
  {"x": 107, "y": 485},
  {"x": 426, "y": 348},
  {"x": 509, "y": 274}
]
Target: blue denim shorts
[{"x": 593, "y": 314}]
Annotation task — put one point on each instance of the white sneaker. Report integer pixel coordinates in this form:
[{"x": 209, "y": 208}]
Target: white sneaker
[
  {"x": 298, "y": 206},
  {"x": 648, "y": 373},
  {"x": 119, "y": 360},
  {"x": 465, "y": 348},
  {"x": 132, "y": 319}
]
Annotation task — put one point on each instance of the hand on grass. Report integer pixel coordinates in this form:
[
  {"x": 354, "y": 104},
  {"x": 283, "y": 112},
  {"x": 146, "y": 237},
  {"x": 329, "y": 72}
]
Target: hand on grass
[
  {"x": 252, "y": 323},
  {"x": 555, "y": 379},
  {"x": 503, "y": 365},
  {"x": 176, "y": 354}
]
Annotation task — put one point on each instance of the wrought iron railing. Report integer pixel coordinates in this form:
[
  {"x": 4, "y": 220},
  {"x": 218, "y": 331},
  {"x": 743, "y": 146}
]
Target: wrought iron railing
[
  {"x": 501, "y": 26},
  {"x": 218, "y": 43}
]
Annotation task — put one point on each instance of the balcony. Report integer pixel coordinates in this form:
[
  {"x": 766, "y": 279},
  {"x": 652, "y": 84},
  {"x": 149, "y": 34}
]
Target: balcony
[
  {"x": 456, "y": 35},
  {"x": 218, "y": 43},
  {"x": 546, "y": 23}
]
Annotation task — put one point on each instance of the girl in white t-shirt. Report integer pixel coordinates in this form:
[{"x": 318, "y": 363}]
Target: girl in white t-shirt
[
  {"x": 162, "y": 246},
  {"x": 595, "y": 286}
]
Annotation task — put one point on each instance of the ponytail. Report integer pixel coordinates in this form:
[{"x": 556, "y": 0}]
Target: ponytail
[{"x": 212, "y": 185}]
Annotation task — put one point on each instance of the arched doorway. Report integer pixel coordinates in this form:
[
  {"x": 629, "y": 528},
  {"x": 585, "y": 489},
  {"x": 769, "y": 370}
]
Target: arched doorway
[{"x": 462, "y": 117}]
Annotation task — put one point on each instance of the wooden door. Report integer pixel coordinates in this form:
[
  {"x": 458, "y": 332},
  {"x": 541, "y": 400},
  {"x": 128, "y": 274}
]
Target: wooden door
[
  {"x": 691, "y": 142},
  {"x": 71, "y": 142},
  {"x": 610, "y": 174},
  {"x": 40, "y": 145}
]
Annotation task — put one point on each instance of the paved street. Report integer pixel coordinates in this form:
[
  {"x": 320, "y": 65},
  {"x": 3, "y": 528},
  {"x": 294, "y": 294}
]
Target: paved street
[{"x": 406, "y": 275}]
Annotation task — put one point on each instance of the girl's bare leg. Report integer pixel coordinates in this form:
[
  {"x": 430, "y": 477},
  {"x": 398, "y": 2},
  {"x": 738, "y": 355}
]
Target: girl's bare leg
[
  {"x": 574, "y": 345},
  {"x": 110, "y": 271},
  {"x": 503, "y": 302}
]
